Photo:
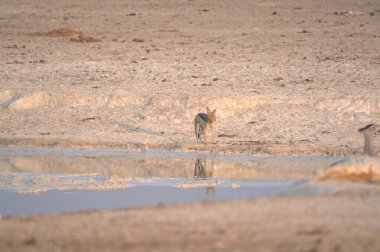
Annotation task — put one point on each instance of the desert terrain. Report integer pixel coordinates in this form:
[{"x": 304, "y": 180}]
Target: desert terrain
[
  {"x": 283, "y": 76},
  {"x": 286, "y": 78}
]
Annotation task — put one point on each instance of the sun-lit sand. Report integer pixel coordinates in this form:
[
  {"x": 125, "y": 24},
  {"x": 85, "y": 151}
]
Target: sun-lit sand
[
  {"x": 286, "y": 77},
  {"x": 364, "y": 169}
]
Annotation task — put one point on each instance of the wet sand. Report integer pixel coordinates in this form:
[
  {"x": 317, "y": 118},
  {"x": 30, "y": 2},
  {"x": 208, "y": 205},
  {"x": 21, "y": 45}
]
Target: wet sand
[{"x": 286, "y": 77}]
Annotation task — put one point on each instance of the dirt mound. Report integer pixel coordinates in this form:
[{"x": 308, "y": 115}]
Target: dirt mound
[
  {"x": 75, "y": 36},
  {"x": 138, "y": 40},
  {"x": 85, "y": 39},
  {"x": 354, "y": 170},
  {"x": 62, "y": 32}
]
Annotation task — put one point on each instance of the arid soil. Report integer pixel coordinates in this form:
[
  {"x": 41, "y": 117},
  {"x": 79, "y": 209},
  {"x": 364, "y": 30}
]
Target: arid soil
[
  {"x": 344, "y": 221},
  {"x": 286, "y": 77}
]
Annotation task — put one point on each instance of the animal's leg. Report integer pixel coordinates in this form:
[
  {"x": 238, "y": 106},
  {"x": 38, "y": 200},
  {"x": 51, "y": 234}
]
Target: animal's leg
[
  {"x": 205, "y": 134},
  {"x": 196, "y": 131}
]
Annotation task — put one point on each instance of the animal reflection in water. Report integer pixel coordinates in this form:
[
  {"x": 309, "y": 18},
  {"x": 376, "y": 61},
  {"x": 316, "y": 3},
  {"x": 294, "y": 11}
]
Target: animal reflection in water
[{"x": 203, "y": 168}]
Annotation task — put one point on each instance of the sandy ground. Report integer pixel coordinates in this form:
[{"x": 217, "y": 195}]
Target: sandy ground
[
  {"x": 286, "y": 77},
  {"x": 346, "y": 220}
]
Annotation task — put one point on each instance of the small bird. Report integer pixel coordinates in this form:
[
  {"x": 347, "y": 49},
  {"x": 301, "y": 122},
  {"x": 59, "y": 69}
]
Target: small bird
[
  {"x": 369, "y": 132},
  {"x": 359, "y": 169}
]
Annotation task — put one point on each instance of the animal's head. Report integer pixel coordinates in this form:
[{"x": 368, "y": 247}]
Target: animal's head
[
  {"x": 211, "y": 115},
  {"x": 370, "y": 129}
]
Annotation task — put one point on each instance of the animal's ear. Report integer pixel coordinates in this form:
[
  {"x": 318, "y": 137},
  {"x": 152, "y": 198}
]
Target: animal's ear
[
  {"x": 214, "y": 111},
  {"x": 366, "y": 127},
  {"x": 208, "y": 110}
]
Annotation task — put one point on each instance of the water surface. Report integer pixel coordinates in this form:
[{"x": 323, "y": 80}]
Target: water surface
[{"x": 43, "y": 180}]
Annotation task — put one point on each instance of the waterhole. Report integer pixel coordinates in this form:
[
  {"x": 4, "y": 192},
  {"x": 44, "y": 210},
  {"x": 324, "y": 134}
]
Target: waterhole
[{"x": 42, "y": 180}]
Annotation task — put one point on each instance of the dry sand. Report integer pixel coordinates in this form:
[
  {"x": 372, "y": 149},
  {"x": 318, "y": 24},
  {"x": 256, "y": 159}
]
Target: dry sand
[
  {"x": 344, "y": 221},
  {"x": 286, "y": 77}
]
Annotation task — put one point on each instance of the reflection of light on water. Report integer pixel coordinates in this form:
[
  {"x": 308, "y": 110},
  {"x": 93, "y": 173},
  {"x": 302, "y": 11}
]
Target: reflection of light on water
[
  {"x": 160, "y": 164},
  {"x": 203, "y": 168},
  {"x": 72, "y": 183},
  {"x": 35, "y": 171},
  {"x": 56, "y": 201}
]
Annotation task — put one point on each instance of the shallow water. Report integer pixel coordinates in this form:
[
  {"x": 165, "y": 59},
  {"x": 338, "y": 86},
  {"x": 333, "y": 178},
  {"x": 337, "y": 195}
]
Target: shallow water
[
  {"x": 42, "y": 180},
  {"x": 57, "y": 201}
]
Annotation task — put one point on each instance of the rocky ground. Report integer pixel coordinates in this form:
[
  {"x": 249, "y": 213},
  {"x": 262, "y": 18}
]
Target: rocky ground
[{"x": 286, "y": 77}]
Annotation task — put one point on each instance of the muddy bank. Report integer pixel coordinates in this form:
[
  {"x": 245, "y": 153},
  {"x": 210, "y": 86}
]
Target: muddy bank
[
  {"x": 293, "y": 78},
  {"x": 256, "y": 125}
]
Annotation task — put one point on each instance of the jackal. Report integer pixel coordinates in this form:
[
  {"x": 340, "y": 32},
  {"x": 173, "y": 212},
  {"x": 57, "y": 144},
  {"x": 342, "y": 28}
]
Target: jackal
[{"x": 203, "y": 122}]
